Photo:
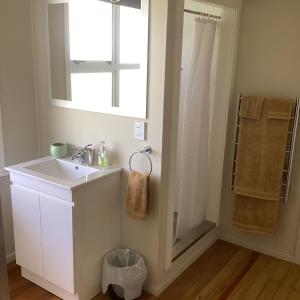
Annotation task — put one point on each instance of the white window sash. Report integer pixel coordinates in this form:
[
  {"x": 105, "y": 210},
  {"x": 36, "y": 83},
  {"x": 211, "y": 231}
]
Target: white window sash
[{"x": 99, "y": 67}]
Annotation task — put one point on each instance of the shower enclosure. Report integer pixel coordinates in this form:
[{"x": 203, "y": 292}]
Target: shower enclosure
[
  {"x": 209, "y": 42},
  {"x": 200, "y": 48}
]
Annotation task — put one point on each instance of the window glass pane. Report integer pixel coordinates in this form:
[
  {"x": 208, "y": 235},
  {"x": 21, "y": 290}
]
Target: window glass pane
[
  {"x": 90, "y": 30},
  {"x": 132, "y": 96},
  {"x": 131, "y": 37},
  {"x": 94, "y": 90}
]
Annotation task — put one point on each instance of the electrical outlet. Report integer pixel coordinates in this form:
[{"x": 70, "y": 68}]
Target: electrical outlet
[{"x": 139, "y": 130}]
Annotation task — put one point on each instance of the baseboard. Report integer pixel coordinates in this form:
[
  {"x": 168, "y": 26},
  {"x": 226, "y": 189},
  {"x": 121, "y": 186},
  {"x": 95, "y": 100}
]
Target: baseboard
[
  {"x": 48, "y": 286},
  {"x": 10, "y": 257},
  {"x": 183, "y": 262},
  {"x": 277, "y": 254}
]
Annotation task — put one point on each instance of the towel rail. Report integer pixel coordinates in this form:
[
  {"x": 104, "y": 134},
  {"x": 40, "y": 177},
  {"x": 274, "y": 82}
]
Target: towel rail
[
  {"x": 147, "y": 150},
  {"x": 289, "y": 151}
]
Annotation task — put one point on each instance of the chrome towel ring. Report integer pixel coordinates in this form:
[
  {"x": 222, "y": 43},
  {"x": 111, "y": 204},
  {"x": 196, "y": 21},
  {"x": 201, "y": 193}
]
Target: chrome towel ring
[{"x": 146, "y": 151}]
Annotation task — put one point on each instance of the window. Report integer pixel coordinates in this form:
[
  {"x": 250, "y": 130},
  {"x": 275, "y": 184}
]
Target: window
[{"x": 105, "y": 53}]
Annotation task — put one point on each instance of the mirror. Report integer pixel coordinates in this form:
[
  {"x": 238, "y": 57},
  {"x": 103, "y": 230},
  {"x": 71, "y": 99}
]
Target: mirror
[{"x": 98, "y": 54}]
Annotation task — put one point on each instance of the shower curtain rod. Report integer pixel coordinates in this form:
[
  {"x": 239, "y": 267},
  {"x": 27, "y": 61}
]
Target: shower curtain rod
[{"x": 200, "y": 13}]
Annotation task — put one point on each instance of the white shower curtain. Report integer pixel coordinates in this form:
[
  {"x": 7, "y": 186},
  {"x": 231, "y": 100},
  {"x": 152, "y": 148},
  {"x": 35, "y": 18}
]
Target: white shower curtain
[{"x": 193, "y": 145}]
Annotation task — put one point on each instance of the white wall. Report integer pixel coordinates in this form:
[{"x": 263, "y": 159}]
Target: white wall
[
  {"x": 2, "y": 163},
  {"x": 81, "y": 127},
  {"x": 16, "y": 100},
  {"x": 7, "y": 217},
  {"x": 16, "y": 82},
  {"x": 268, "y": 64}
]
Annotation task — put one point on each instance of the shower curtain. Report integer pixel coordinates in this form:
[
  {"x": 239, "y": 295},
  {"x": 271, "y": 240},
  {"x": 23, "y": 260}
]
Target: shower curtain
[{"x": 194, "y": 130}]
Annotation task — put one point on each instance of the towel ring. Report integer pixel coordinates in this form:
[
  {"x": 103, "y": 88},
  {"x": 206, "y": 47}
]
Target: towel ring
[{"x": 146, "y": 151}]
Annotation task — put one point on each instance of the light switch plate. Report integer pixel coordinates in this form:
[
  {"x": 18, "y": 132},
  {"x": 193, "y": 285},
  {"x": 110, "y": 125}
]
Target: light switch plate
[{"x": 140, "y": 130}]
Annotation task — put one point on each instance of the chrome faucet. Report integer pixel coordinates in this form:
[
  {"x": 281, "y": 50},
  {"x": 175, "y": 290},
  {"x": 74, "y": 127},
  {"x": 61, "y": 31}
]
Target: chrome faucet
[{"x": 85, "y": 155}]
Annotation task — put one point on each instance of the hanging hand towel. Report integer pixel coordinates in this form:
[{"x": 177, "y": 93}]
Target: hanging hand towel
[
  {"x": 260, "y": 164},
  {"x": 138, "y": 195}
]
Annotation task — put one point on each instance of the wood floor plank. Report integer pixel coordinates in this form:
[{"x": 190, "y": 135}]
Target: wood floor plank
[
  {"x": 282, "y": 293},
  {"x": 247, "y": 281},
  {"x": 292, "y": 276},
  {"x": 269, "y": 290},
  {"x": 297, "y": 284},
  {"x": 230, "y": 272},
  {"x": 196, "y": 277},
  {"x": 256, "y": 289},
  {"x": 281, "y": 271},
  {"x": 294, "y": 295},
  {"x": 224, "y": 271}
]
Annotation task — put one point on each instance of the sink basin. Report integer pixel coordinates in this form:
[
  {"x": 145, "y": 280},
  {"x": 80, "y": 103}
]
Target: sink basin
[
  {"x": 64, "y": 173},
  {"x": 62, "y": 169}
]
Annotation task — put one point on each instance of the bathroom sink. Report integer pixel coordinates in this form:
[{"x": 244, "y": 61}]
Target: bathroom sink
[
  {"x": 60, "y": 172},
  {"x": 62, "y": 169}
]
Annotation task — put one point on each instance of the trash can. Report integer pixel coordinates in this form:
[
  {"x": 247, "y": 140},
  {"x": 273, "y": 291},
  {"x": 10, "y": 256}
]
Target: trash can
[{"x": 126, "y": 271}]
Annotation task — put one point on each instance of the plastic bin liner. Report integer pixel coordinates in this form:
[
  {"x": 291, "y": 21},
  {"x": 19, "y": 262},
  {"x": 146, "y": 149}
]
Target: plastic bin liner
[{"x": 125, "y": 268}]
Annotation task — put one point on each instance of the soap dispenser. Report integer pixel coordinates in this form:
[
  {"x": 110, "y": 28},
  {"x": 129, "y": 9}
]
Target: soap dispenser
[{"x": 102, "y": 156}]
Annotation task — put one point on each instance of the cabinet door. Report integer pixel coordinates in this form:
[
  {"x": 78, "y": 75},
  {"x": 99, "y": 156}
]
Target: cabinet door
[
  {"x": 27, "y": 229},
  {"x": 57, "y": 242}
]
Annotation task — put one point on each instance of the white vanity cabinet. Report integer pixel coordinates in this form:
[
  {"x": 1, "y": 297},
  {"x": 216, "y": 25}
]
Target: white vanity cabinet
[
  {"x": 44, "y": 236},
  {"x": 63, "y": 232},
  {"x": 27, "y": 229},
  {"x": 57, "y": 242}
]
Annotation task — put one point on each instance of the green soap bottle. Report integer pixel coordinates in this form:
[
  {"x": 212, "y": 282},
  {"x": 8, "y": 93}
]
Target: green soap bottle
[{"x": 102, "y": 157}]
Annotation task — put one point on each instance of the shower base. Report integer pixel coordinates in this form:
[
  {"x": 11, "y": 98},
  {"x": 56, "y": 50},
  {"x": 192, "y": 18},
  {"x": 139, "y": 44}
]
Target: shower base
[{"x": 182, "y": 245}]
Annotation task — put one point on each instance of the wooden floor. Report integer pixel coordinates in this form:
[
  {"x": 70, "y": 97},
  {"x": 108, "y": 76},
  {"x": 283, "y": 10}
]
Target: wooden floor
[{"x": 224, "y": 271}]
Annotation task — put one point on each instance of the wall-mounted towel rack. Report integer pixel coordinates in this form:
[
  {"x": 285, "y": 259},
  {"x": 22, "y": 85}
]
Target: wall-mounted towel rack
[
  {"x": 289, "y": 151},
  {"x": 147, "y": 150}
]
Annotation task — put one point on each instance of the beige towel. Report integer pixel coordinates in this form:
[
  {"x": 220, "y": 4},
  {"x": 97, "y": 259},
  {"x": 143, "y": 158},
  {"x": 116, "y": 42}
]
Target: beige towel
[
  {"x": 251, "y": 107},
  {"x": 255, "y": 215},
  {"x": 261, "y": 151},
  {"x": 260, "y": 164},
  {"x": 138, "y": 195}
]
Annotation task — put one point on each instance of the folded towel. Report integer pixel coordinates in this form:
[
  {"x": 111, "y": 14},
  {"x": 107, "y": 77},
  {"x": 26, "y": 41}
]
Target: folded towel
[
  {"x": 279, "y": 115},
  {"x": 259, "y": 167},
  {"x": 255, "y": 215},
  {"x": 138, "y": 195},
  {"x": 251, "y": 107},
  {"x": 261, "y": 151}
]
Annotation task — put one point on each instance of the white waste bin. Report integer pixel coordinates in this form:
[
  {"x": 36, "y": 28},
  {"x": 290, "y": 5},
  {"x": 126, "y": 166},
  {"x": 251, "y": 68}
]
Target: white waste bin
[{"x": 126, "y": 271}]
